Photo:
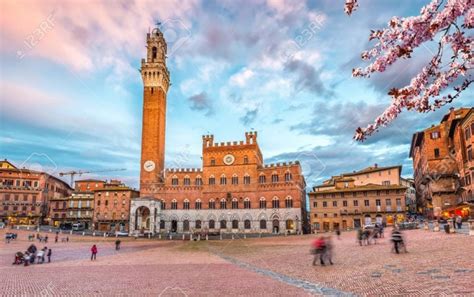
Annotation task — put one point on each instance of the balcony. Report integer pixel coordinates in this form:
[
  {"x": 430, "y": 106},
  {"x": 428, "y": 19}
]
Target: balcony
[
  {"x": 19, "y": 188},
  {"x": 76, "y": 217}
]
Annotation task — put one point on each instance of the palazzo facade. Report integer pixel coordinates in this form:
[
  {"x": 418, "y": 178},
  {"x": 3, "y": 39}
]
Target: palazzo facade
[{"x": 233, "y": 191}]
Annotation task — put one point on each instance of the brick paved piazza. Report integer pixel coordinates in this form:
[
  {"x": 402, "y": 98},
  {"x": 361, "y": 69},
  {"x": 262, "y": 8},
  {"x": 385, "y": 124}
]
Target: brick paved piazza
[{"x": 437, "y": 264}]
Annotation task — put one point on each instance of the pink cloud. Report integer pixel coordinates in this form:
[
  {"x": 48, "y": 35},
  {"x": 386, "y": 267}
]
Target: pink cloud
[{"x": 80, "y": 35}]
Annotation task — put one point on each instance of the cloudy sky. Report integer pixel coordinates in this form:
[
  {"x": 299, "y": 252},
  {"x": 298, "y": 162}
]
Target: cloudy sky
[{"x": 71, "y": 93}]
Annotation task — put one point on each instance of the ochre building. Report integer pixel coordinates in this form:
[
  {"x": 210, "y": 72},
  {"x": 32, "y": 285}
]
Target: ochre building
[
  {"x": 233, "y": 191},
  {"x": 352, "y": 200},
  {"x": 25, "y": 194}
]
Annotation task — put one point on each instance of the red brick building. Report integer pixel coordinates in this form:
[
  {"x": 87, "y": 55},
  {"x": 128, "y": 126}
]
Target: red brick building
[
  {"x": 464, "y": 143},
  {"x": 440, "y": 158},
  {"x": 234, "y": 191},
  {"x": 111, "y": 206},
  {"x": 25, "y": 194}
]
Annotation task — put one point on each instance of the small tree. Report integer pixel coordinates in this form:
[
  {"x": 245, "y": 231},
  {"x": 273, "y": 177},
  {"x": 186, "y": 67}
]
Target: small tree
[{"x": 449, "y": 23}]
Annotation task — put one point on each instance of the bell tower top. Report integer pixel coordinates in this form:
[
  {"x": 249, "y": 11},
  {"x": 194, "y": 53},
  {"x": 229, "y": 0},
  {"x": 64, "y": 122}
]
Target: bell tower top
[
  {"x": 156, "y": 46},
  {"x": 154, "y": 71}
]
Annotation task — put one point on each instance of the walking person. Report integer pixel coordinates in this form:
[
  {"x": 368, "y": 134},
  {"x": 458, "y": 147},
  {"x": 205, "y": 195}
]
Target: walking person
[
  {"x": 319, "y": 247},
  {"x": 46, "y": 239},
  {"x": 50, "y": 252},
  {"x": 117, "y": 244},
  {"x": 328, "y": 250},
  {"x": 397, "y": 240},
  {"x": 459, "y": 222},
  {"x": 94, "y": 252},
  {"x": 360, "y": 235},
  {"x": 56, "y": 238},
  {"x": 40, "y": 257}
]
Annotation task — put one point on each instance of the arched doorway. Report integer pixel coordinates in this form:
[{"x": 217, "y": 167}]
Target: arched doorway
[
  {"x": 223, "y": 224},
  {"x": 247, "y": 224},
  {"x": 185, "y": 225},
  {"x": 290, "y": 225},
  {"x": 367, "y": 220},
  {"x": 142, "y": 219},
  {"x": 378, "y": 219},
  {"x": 174, "y": 226},
  {"x": 235, "y": 224},
  {"x": 212, "y": 224},
  {"x": 276, "y": 226}
]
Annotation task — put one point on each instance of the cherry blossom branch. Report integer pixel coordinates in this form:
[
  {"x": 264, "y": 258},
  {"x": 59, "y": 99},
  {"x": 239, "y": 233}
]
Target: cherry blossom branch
[{"x": 401, "y": 37}]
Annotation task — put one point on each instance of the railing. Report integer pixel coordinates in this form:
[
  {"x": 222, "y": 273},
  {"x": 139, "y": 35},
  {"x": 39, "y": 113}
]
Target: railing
[{"x": 8, "y": 187}]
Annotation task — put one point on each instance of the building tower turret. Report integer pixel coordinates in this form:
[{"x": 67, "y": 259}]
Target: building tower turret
[{"x": 156, "y": 81}]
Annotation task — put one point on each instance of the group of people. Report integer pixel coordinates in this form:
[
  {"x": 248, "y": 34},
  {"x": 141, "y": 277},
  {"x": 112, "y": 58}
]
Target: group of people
[
  {"x": 45, "y": 238},
  {"x": 33, "y": 254},
  {"x": 38, "y": 237},
  {"x": 370, "y": 234},
  {"x": 10, "y": 236},
  {"x": 322, "y": 249}
]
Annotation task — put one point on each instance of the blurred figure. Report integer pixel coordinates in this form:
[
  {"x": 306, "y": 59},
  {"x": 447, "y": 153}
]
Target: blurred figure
[
  {"x": 117, "y": 244},
  {"x": 328, "y": 250},
  {"x": 360, "y": 235},
  {"x": 459, "y": 222},
  {"x": 50, "y": 252},
  {"x": 397, "y": 239},
  {"x": 319, "y": 249},
  {"x": 338, "y": 233},
  {"x": 40, "y": 257}
]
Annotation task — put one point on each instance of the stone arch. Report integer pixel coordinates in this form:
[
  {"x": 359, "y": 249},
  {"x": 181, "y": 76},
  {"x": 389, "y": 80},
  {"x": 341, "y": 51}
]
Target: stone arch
[
  {"x": 223, "y": 217},
  {"x": 211, "y": 216},
  {"x": 289, "y": 216},
  {"x": 247, "y": 216},
  {"x": 234, "y": 216},
  {"x": 185, "y": 217},
  {"x": 143, "y": 218},
  {"x": 275, "y": 216},
  {"x": 174, "y": 217},
  {"x": 262, "y": 216}
]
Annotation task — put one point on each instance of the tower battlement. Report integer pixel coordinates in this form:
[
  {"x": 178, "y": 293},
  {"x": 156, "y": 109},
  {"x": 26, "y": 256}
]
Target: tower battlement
[
  {"x": 181, "y": 170},
  {"x": 250, "y": 139}
]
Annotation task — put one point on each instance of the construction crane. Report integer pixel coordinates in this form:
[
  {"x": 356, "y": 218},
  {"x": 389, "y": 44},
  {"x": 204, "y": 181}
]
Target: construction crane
[{"x": 80, "y": 172}]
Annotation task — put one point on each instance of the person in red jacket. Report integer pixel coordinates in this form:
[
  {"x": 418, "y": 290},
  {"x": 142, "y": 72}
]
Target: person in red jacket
[
  {"x": 94, "y": 252},
  {"x": 319, "y": 248}
]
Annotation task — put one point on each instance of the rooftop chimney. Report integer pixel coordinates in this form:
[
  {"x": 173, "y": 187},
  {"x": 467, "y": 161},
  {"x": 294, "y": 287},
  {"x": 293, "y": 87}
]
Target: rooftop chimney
[{"x": 376, "y": 165}]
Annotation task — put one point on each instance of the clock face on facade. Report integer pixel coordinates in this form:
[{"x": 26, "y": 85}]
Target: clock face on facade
[
  {"x": 149, "y": 166},
  {"x": 229, "y": 159}
]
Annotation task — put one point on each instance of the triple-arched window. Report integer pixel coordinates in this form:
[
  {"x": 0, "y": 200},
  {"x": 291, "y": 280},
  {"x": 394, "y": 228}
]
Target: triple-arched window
[
  {"x": 247, "y": 203},
  {"x": 275, "y": 202},
  {"x": 186, "y": 204}
]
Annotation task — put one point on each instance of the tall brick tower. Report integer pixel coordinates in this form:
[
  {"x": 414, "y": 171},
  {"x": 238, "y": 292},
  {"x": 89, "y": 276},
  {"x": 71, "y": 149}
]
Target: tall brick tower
[{"x": 156, "y": 80}]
